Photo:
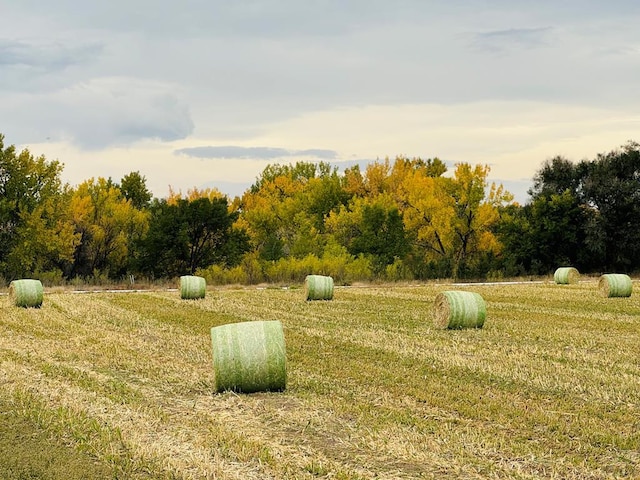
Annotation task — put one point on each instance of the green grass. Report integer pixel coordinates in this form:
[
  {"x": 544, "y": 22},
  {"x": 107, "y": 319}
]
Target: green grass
[
  {"x": 547, "y": 389},
  {"x": 30, "y": 452}
]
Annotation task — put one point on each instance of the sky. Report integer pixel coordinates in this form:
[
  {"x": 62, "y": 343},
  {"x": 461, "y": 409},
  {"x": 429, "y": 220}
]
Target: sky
[{"x": 207, "y": 93}]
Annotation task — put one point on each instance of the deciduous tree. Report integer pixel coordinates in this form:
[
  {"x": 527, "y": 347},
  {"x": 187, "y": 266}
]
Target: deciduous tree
[
  {"x": 27, "y": 183},
  {"x": 108, "y": 226},
  {"x": 372, "y": 227},
  {"x": 476, "y": 212},
  {"x": 134, "y": 188},
  {"x": 188, "y": 235}
]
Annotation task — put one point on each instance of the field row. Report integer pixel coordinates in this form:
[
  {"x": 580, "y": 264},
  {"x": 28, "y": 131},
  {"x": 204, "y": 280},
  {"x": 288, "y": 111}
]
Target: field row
[{"x": 546, "y": 389}]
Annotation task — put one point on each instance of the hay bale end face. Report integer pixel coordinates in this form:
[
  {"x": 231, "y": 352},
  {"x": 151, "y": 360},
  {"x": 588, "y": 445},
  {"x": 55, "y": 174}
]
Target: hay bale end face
[
  {"x": 192, "y": 287},
  {"x": 318, "y": 287},
  {"x": 566, "y": 275},
  {"x": 26, "y": 293},
  {"x": 249, "y": 356},
  {"x": 459, "y": 309},
  {"x": 615, "y": 285}
]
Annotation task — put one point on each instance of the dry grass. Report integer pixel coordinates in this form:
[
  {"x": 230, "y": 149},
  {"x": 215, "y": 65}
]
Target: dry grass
[{"x": 547, "y": 389}]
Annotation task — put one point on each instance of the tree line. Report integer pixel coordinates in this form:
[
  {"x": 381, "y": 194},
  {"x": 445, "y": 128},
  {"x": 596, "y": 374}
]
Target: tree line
[{"x": 406, "y": 219}]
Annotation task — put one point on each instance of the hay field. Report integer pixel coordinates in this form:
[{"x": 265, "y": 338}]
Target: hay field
[{"x": 549, "y": 388}]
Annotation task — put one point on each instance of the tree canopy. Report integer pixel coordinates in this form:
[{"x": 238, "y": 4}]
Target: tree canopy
[
  {"x": 586, "y": 213},
  {"x": 406, "y": 218},
  {"x": 186, "y": 235}
]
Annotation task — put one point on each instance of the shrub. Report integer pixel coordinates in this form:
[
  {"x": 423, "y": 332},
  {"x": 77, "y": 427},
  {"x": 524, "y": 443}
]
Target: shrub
[
  {"x": 360, "y": 269},
  {"x": 397, "y": 271}
]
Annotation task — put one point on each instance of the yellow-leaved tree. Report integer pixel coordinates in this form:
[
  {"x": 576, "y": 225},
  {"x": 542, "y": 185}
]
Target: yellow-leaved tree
[
  {"x": 475, "y": 214},
  {"x": 194, "y": 193},
  {"x": 284, "y": 211},
  {"x": 46, "y": 240},
  {"x": 268, "y": 215},
  {"x": 427, "y": 209},
  {"x": 449, "y": 220},
  {"x": 107, "y": 225}
]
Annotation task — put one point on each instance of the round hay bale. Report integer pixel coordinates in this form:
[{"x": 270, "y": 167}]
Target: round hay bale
[
  {"x": 318, "y": 287},
  {"x": 615, "y": 285},
  {"x": 566, "y": 275},
  {"x": 26, "y": 293},
  {"x": 192, "y": 287},
  {"x": 459, "y": 309},
  {"x": 249, "y": 356}
]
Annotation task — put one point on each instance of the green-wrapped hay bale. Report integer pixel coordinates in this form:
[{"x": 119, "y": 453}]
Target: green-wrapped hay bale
[
  {"x": 192, "y": 287},
  {"x": 615, "y": 285},
  {"x": 318, "y": 287},
  {"x": 566, "y": 275},
  {"x": 26, "y": 293},
  {"x": 459, "y": 309},
  {"x": 249, "y": 356}
]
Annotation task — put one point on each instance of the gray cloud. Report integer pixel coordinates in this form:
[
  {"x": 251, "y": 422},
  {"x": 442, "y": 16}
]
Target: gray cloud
[
  {"x": 221, "y": 18},
  {"x": 236, "y": 69},
  {"x": 47, "y": 56},
  {"x": 264, "y": 153},
  {"x": 265, "y": 61},
  {"x": 285, "y": 19},
  {"x": 105, "y": 112},
  {"x": 29, "y": 66},
  {"x": 513, "y": 38}
]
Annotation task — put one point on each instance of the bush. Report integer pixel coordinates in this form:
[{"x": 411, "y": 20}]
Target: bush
[
  {"x": 360, "y": 269},
  {"x": 398, "y": 271},
  {"x": 217, "y": 275},
  {"x": 253, "y": 268},
  {"x": 291, "y": 269},
  {"x": 335, "y": 262},
  {"x": 50, "y": 278}
]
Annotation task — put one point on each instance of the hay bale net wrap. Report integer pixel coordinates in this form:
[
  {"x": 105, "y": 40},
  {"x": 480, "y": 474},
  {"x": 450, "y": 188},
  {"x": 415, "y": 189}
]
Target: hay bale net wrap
[
  {"x": 615, "y": 285},
  {"x": 459, "y": 309},
  {"x": 26, "y": 293},
  {"x": 318, "y": 287},
  {"x": 249, "y": 356},
  {"x": 566, "y": 275},
  {"x": 192, "y": 287}
]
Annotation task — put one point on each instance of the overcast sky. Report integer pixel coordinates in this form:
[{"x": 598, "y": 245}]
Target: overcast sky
[{"x": 198, "y": 93}]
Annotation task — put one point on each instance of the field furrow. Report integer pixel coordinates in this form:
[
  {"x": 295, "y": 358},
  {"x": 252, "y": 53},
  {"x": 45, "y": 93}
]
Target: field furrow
[{"x": 548, "y": 388}]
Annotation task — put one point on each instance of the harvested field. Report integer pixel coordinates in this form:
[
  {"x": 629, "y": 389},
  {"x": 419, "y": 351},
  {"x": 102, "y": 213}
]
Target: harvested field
[{"x": 548, "y": 388}]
